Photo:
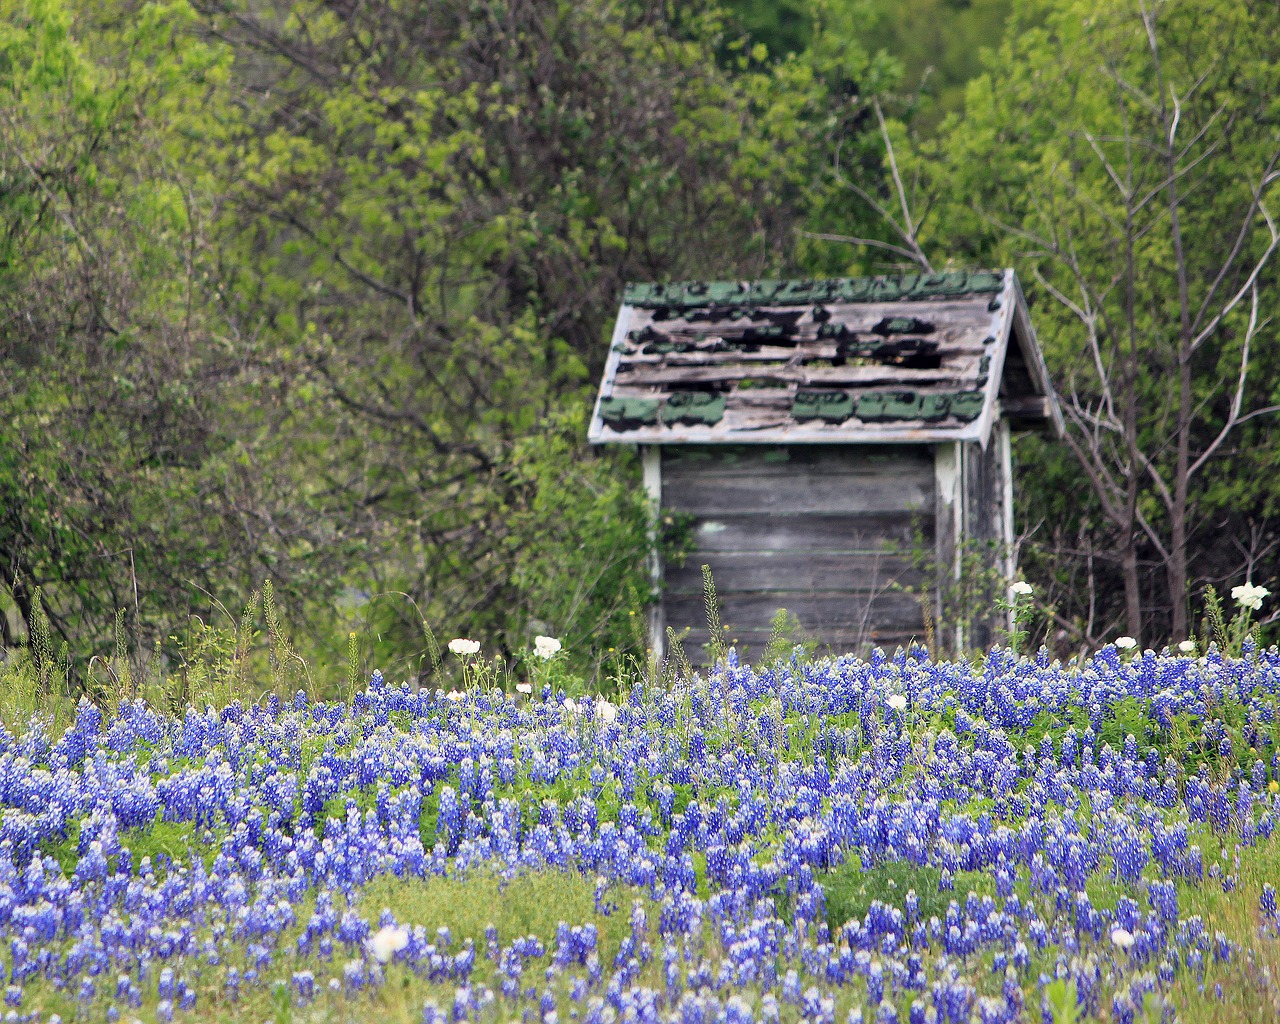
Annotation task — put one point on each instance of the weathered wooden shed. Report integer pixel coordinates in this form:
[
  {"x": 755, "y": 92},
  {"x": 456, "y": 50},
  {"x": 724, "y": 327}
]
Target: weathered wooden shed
[{"x": 817, "y": 433}]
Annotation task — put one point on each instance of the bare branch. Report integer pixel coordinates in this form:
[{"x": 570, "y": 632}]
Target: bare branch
[
  {"x": 1106, "y": 164},
  {"x": 851, "y": 240},
  {"x": 908, "y": 230},
  {"x": 1246, "y": 224},
  {"x": 1151, "y": 533},
  {"x": 1177, "y": 116},
  {"x": 1156, "y": 478},
  {"x": 1176, "y": 176},
  {"x": 1234, "y": 418},
  {"x": 1252, "y": 279}
]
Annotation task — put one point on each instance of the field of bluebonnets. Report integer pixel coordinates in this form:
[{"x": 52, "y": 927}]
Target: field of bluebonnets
[{"x": 830, "y": 840}]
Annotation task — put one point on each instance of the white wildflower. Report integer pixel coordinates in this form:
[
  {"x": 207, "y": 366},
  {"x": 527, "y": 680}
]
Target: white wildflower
[
  {"x": 897, "y": 702},
  {"x": 1187, "y": 647},
  {"x": 1126, "y": 643},
  {"x": 454, "y": 695},
  {"x": 546, "y": 647},
  {"x": 1249, "y": 596},
  {"x": 570, "y": 705},
  {"x": 462, "y": 646},
  {"x": 524, "y": 687},
  {"x": 387, "y": 942},
  {"x": 1022, "y": 587},
  {"x": 1122, "y": 937},
  {"x": 607, "y": 713}
]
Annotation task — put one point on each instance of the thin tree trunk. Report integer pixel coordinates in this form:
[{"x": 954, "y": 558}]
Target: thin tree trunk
[
  {"x": 1132, "y": 594},
  {"x": 1177, "y": 564},
  {"x": 1177, "y": 559},
  {"x": 1129, "y": 554}
]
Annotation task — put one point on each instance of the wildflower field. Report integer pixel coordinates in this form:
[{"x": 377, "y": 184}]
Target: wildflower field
[{"x": 835, "y": 840}]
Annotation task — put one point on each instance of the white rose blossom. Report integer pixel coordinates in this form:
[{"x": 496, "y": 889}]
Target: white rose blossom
[
  {"x": 1022, "y": 587},
  {"x": 1249, "y": 596},
  {"x": 463, "y": 647},
  {"x": 1126, "y": 643},
  {"x": 546, "y": 647},
  {"x": 387, "y": 942}
]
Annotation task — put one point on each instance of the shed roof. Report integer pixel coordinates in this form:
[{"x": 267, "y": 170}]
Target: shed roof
[{"x": 914, "y": 358}]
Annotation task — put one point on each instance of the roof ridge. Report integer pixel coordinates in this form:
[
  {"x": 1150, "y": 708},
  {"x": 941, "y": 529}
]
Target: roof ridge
[{"x": 806, "y": 291}]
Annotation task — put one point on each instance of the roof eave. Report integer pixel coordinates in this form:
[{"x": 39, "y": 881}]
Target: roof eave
[
  {"x": 1009, "y": 296},
  {"x": 796, "y": 434},
  {"x": 1034, "y": 359},
  {"x": 595, "y": 432}
]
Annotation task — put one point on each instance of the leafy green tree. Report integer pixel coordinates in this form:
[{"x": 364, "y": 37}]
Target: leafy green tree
[
  {"x": 1124, "y": 158},
  {"x": 95, "y": 433},
  {"x": 936, "y": 46},
  {"x": 431, "y": 210},
  {"x": 124, "y": 480}
]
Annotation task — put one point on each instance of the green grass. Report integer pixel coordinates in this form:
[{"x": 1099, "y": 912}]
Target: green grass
[
  {"x": 1249, "y": 986},
  {"x": 177, "y": 840},
  {"x": 532, "y": 903},
  {"x": 1250, "y": 992}
]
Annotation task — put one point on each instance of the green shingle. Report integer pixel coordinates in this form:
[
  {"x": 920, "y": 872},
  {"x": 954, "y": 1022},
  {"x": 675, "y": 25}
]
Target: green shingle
[
  {"x": 693, "y": 408},
  {"x": 830, "y": 406},
  {"x": 967, "y": 405},
  {"x": 628, "y": 413},
  {"x": 884, "y": 406},
  {"x": 928, "y": 406}
]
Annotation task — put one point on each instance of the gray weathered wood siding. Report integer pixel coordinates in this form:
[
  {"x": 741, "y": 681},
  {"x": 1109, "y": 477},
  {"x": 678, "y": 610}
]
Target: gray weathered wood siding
[{"x": 825, "y": 532}]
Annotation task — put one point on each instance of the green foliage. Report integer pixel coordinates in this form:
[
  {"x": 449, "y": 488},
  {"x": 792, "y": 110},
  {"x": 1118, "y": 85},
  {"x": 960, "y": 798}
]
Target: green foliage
[
  {"x": 353, "y": 663},
  {"x": 1231, "y": 634},
  {"x": 777, "y": 646},
  {"x": 24, "y": 695},
  {"x": 531, "y": 903},
  {"x": 326, "y": 297},
  {"x": 1060, "y": 1000},
  {"x": 426, "y": 248},
  {"x": 715, "y": 631},
  {"x": 965, "y": 595},
  {"x": 851, "y": 889},
  {"x": 1059, "y": 168},
  {"x": 124, "y": 475},
  {"x": 676, "y": 658}
]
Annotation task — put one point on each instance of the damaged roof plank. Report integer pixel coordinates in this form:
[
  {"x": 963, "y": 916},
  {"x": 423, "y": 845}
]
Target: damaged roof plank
[
  {"x": 806, "y": 349},
  {"x": 863, "y": 376},
  {"x": 961, "y": 314}
]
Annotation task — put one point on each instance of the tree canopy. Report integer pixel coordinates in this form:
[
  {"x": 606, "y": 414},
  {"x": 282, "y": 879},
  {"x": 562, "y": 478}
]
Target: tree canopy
[{"x": 319, "y": 292}]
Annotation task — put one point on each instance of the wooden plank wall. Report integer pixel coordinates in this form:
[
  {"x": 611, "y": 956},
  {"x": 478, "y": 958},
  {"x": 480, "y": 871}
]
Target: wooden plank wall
[
  {"x": 825, "y": 532},
  {"x": 988, "y": 519}
]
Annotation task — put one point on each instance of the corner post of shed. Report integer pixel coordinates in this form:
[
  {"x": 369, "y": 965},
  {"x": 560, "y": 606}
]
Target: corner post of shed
[
  {"x": 1004, "y": 436},
  {"x": 948, "y": 531},
  {"x": 651, "y": 459}
]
